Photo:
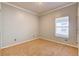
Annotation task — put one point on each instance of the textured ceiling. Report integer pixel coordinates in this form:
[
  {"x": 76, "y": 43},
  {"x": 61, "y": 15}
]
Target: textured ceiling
[{"x": 39, "y": 7}]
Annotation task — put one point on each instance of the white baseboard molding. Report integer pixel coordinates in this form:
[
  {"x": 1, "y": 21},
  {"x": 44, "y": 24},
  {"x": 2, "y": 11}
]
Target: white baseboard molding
[
  {"x": 59, "y": 42},
  {"x": 35, "y": 39},
  {"x": 17, "y": 43}
]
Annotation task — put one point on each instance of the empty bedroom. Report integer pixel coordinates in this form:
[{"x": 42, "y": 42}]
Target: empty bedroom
[{"x": 39, "y": 29}]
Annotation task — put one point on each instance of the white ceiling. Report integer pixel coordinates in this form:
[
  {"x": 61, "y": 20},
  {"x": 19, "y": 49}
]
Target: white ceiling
[{"x": 39, "y": 7}]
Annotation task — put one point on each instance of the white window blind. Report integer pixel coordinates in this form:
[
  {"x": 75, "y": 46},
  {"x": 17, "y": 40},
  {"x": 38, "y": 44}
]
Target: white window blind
[{"x": 62, "y": 27}]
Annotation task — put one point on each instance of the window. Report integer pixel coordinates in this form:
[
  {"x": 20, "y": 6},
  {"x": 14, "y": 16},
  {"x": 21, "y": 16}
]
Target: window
[{"x": 62, "y": 27}]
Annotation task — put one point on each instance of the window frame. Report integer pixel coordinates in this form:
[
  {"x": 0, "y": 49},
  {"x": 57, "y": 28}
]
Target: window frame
[{"x": 61, "y": 34}]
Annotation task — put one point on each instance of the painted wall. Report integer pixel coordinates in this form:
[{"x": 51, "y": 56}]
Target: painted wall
[
  {"x": 78, "y": 29},
  {"x": 0, "y": 25},
  {"x": 47, "y": 24},
  {"x": 18, "y": 25}
]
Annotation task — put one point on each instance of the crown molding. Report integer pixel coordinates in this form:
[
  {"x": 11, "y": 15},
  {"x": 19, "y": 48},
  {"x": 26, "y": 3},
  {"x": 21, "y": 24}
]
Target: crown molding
[
  {"x": 61, "y": 7},
  {"x": 26, "y": 10},
  {"x": 43, "y": 13}
]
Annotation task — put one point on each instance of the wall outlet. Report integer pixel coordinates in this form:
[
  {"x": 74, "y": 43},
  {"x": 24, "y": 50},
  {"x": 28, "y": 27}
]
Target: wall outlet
[
  {"x": 14, "y": 39},
  {"x": 65, "y": 39},
  {"x": 33, "y": 35},
  {"x": 76, "y": 42}
]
